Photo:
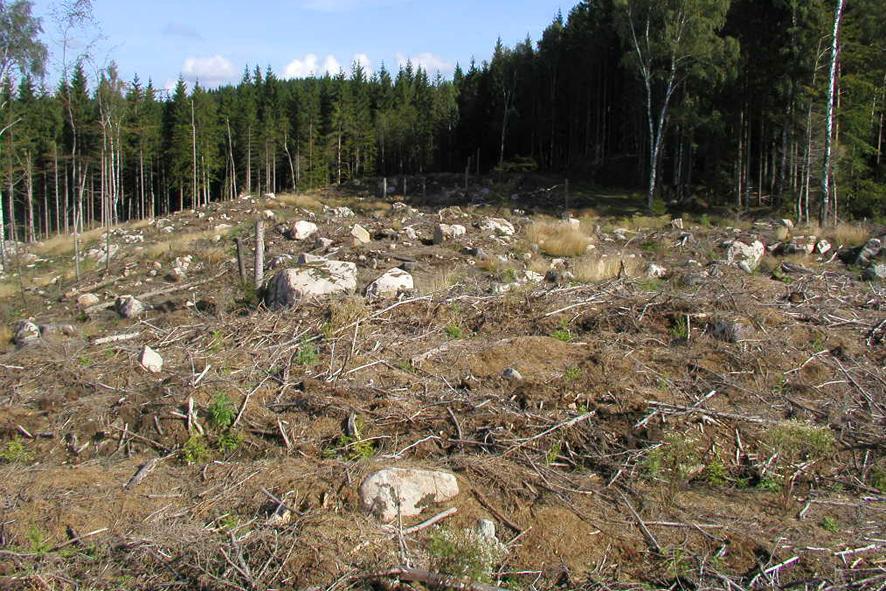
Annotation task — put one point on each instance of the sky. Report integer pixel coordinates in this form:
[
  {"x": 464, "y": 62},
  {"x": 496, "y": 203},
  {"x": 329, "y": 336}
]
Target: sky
[{"x": 214, "y": 40}]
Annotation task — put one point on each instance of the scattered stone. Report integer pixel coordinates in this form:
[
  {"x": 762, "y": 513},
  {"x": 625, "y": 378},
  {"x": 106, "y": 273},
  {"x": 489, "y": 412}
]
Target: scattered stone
[
  {"x": 54, "y": 329},
  {"x": 876, "y": 272},
  {"x": 730, "y": 331},
  {"x": 327, "y": 278},
  {"x": 324, "y": 243},
  {"x": 128, "y": 307},
  {"x": 868, "y": 252},
  {"x": 654, "y": 271},
  {"x": 476, "y": 252},
  {"x": 677, "y": 224},
  {"x": 175, "y": 275},
  {"x": 498, "y": 226},
  {"x": 573, "y": 222},
  {"x": 302, "y": 230},
  {"x": 342, "y": 212},
  {"x": 151, "y": 360},
  {"x": 486, "y": 529},
  {"x": 444, "y": 232},
  {"x": 532, "y": 277},
  {"x": 512, "y": 374},
  {"x": 308, "y": 259},
  {"x": 410, "y": 233},
  {"x": 26, "y": 333},
  {"x": 87, "y": 299},
  {"x": 269, "y": 215},
  {"x": 361, "y": 235},
  {"x": 405, "y": 491},
  {"x": 390, "y": 284},
  {"x": 746, "y": 256},
  {"x": 280, "y": 261},
  {"x": 409, "y": 266}
]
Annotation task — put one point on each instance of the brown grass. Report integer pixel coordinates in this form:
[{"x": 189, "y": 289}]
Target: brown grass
[
  {"x": 558, "y": 238},
  {"x": 346, "y": 311},
  {"x": 441, "y": 280},
  {"x": 182, "y": 243},
  {"x": 61, "y": 245},
  {"x": 295, "y": 200},
  {"x": 590, "y": 269},
  {"x": 844, "y": 233},
  {"x": 5, "y": 336},
  {"x": 8, "y": 290}
]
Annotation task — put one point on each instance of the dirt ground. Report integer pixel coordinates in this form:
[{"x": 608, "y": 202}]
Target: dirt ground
[{"x": 639, "y": 449}]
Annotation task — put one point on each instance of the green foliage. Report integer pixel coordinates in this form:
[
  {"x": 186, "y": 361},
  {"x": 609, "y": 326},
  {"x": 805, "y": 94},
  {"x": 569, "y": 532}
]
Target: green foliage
[
  {"x": 195, "y": 450},
  {"x": 830, "y": 524},
  {"x": 553, "y": 453},
  {"x": 878, "y": 478},
  {"x": 15, "y": 452},
  {"x": 563, "y": 333},
  {"x": 307, "y": 354},
  {"x": 651, "y": 284},
  {"x": 770, "y": 483},
  {"x": 572, "y": 374},
  {"x": 795, "y": 441},
  {"x": 674, "y": 461},
  {"x": 38, "y": 540},
  {"x": 680, "y": 328},
  {"x": 715, "y": 472},
  {"x": 454, "y": 331},
  {"x": 228, "y": 441},
  {"x": 464, "y": 554},
  {"x": 221, "y": 411}
]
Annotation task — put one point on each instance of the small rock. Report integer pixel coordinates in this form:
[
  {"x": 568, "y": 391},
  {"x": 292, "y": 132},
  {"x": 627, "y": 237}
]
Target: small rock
[
  {"x": 410, "y": 233},
  {"x": 444, "y": 232},
  {"x": 308, "y": 259},
  {"x": 26, "y": 333},
  {"x": 342, "y": 212},
  {"x": 512, "y": 374},
  {"x": 269, "y": 215},
  {"x": 361, "y": 235},
  {"x": 151, "y": 360},
  {"x": 486, "y": 528},
  {"x": 302, "y": 230},
  {"x": 787, "y": 224},
  {"x": 731, "y": 331},
  {"x": 128, "y": 307},
  {"x": 498, "y": 226},
  {"x": 656, "y": 271},
  {"x": 823, "y": 247},
  {"x": 409, "y": 266},
  {"x": 87, "y": 299},
  {"x": 405, "y": 491},
  {"x": 876, "y": 272},
  {"x": 869, "y": 252},
  {"x": 48, "y": 330},
  {"x": 390, "y": 284},
  {"x": 746, "y": 256}
]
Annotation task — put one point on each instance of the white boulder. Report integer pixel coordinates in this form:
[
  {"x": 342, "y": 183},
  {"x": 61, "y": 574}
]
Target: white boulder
[
  {"x": 361, "y": 234},
  {"x": 498, "y": 226},
  {"x": 151, "y": 360},
  {"x": 390, "y": 285},
  {"x": 318, "y": 280},
  {"x": 746, "y": 256},
  {"x": 302, "y": 230},
  {"x": 405, "y": 491}
]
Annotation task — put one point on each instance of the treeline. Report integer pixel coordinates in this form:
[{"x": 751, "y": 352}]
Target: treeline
[{"x": 717, "y": 99}]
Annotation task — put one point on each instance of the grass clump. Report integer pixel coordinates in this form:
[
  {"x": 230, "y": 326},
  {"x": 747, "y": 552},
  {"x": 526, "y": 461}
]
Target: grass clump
[
  {"x": 558, "y": 239},
  {"x": 346, "y": 311},
  {"x": 464, "y": 554},
  {"x": 830, "y": 524},
  {"x": 680, "y": 328},
  {"x": 15, "y": 452},
  {"x": 307, "y": 354},
  {"x": 454, "y": 331},
  {"x": 799, "y": 446},
  {"x": 674, "y": 461}
]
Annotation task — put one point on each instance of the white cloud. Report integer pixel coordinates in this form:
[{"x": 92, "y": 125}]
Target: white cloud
[
  {"x": 363, "y": 60},
  {"x": 310, "y": 65},
  {"x": 210, "y": 71},
  {"x": 427, "y": 61}
]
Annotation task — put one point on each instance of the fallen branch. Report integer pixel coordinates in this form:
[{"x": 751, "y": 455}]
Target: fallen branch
[
  {"x": 496, "y": 513},
  {"x": 558, "y": 426},
  {"x": 429, "y": 522},
  {"x": 432, "y": 579},
  {"x": 155, "y": 293},
  {"x": 116, "y": 338}
]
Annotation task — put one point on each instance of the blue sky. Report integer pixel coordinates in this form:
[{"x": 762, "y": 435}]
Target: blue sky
[{"x": 214, "y": 40}]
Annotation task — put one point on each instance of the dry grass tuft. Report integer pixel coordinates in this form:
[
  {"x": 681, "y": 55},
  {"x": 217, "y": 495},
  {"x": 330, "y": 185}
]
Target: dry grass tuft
[
  {"x": 8, "y": 290},
  {"x": 214, "y": 254},
  {"x": 183, "y": 243},
  {"x": 347, "y": 311},
  {"x": 5, "y": 336},
  {"x": 591, "y": 269},
  {"x": 848, "y": 234},
  {"x": 782, "y": 234},
  {"x": 295, "y": 200},
  {"x": 558, "y": 238},
  {"x": 441, "y": 280},
  {"x": 61, "y": 245}
]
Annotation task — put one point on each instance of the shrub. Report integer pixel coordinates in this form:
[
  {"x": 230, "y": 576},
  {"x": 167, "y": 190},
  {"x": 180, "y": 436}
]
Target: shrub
[
  {"x": 307, "y": 354},
  {"x": 222, "y": 411},
  {"x": 195, "y": 451},
  {"x": 715, "y": 472},
  {"x": 464, "y": 554},
  {"x": 454, "y": 331},
  {"x": 15, "y": 452},
  {"x": 674, "y": 461},
  {"x": 228, "y": 441},
  {"x": 830, "y": 524}
]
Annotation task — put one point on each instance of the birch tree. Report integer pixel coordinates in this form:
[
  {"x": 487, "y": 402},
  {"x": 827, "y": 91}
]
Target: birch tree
[
  {"x": 829, "y": 125},
  {"x": 671, "y": 42}
]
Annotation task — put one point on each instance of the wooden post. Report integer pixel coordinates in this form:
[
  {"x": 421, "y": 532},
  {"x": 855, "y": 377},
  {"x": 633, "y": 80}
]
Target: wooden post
[
  {"x": 259, "y": 253},
  {"x": 384, "y": 187},
  {"x": 241, "y": 260}
]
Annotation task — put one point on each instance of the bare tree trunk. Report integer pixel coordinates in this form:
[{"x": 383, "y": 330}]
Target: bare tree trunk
[
  {"x": 259, "y": 253},
  {"x": 832, "y": 87},
  {"x": 194, "y": 193}
]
